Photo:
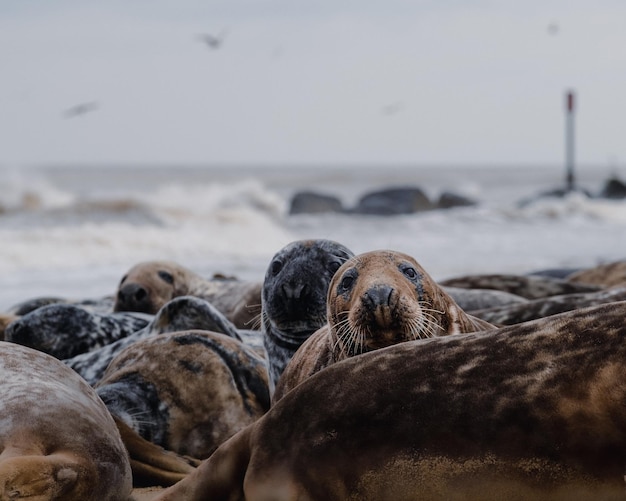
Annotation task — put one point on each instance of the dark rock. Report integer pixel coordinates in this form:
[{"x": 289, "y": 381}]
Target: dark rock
[
  {"x": 448, "y": 200},
  {"x": 308, "y": 202},
  {"x": 614, "y": 188},
  {"x": 392, "y": 201}
]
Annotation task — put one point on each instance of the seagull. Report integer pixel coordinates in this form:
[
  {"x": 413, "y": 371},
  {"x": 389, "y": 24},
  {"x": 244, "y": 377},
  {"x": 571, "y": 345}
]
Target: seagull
[
  {"x": 392, "y": 108},
  {"x": 553, "y": 28},
  {"x": 212, "y": 41},
  {"x": 80, "y": 109}
]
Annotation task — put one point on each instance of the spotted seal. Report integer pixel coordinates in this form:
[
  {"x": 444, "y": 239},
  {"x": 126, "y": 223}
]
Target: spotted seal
[
  {"x": 539, "y": 308},
  {"x": 149, "y": 285},
  {"x": 531, "y": 411},
  {"x": 67, "y": 330},
  {"x": 181, "y": 313},
  {"x": 605, "y": 275},
  {"x": 186, "y": 391},
  {"x": 377, "y": 299},
  {"x": 293, "y": 304},
  {"x": 58, "y": 440},
  {"x": 528, "y": 286}
]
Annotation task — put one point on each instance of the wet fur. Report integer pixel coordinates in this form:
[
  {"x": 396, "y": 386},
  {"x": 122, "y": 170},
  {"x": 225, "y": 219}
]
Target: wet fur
[
  {"x": 294, "y": 296},
  {"x": 531, "y": 411},
  {"x": 147, "y": 286},
  {"x": 186, "y": 391},
  {"x": 181, "y": 313},
  {"x": 66, "y": 330},
  {"x": 375, "y": 300}
]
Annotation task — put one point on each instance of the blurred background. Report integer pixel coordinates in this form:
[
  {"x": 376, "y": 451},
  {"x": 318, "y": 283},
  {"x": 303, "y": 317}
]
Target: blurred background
[{"x": 183, "y": 130}]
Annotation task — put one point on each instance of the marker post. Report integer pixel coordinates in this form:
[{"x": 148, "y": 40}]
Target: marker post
[{"x": 569, "y": 140}]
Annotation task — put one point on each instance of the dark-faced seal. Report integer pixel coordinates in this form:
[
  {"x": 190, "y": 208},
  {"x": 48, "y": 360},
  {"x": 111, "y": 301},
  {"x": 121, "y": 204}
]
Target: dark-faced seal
[
  {"x": 528, "y": 286},
  {"x": 181, "y": 313},
  {"x": 377, "y": 299},
  {"x": 532, "y": 411},
  {"x": 58, "y": 441},
  {"x": 294, "y": 296},
  {"x": 149, "y": 285},
  {"x": 186, "y": 391},
  {"x": 67, "y": 330}
]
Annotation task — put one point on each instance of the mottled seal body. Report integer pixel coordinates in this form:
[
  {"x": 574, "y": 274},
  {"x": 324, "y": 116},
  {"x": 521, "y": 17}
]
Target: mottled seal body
[
  {"x": 294, "y": 296},
  {"x": 57, "y": 438},
  {"x": 528, "y": 286},
  {"x": 605, "y": 275},
  {"x": 181, "y": 313},
  {"x": 186, "y": 391},
  {"x": 149, "y": 285},
  {"x": 540, "y": 308},
  {"x": 375, "y": 300},
  {"x": 532, "y": 411},
  {"x": 67, "y": 330}
]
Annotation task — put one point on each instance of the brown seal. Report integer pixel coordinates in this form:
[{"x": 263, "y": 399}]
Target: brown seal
[
  {"x": 149, "y": 285},
  {"x": 528, "y": 286},
  {"x": 186, "y": 391},
  {"x": 375, "y": 300},
  {"x": 604, "y": 275},
  {"x": 57, "y": 439},
  {"x": 532, "y": 411}
]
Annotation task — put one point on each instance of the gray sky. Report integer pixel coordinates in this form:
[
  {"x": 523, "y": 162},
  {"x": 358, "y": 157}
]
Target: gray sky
[{"x": 315, "y": 81}]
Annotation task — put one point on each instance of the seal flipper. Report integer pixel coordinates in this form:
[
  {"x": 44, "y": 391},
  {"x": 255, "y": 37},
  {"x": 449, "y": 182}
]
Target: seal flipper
[
  {"x": 150, "y": 463},
  {"x": 218, "y": 478},
  {"x": 54, "y": 477}
]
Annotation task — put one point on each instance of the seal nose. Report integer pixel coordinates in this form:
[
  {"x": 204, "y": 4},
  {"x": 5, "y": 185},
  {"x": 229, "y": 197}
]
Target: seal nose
[
  {"x": 131, "y": 297},
  {"x": 295, "y": 290},
  {"x": 379, "y": 295}
]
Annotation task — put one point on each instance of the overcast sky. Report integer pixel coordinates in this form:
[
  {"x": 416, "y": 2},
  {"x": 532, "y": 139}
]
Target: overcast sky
[{"x": 310, "y": 81}]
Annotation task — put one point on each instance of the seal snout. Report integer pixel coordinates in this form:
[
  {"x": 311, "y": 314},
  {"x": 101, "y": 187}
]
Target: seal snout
[
  {"x": 378, "y": 295},
  {"x": 295, "y": 290},
  {"x": 133, "y": 297}
]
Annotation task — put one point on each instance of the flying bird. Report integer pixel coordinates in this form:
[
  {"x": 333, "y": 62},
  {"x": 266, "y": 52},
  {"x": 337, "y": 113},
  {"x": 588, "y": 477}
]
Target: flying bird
[
  {"x": 553, "y": 28},
  {"x": 80, "y": 109},
  {"x": 212, "y": 41}
]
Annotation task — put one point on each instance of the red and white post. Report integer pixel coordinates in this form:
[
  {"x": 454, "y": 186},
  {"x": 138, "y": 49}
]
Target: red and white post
[{"x": 569, "y": 139}]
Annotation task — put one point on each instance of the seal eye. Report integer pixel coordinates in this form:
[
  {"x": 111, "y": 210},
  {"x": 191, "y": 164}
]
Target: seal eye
[
  {"x": 166, "y": 277},
  {"x": 276, "y": 266},
  {"x": 346, "y": 282},
  {"x": 123, "y": 279},
  {"x": 410, "y": 272}
]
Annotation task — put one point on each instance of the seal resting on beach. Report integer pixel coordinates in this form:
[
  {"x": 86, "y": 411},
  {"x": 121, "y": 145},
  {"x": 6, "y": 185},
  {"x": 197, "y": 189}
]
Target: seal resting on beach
[
  {"x": 67, "y": 330},
  {"x": 294, "y": 297},
  {"x": 58, "y": 440},
  {"x": 532, "y": 411},
  {"x": 149, "y": 285},
  {"x": 377, "y": 299},
  {"x": 186, "y": 391},
  {"x": 179, "y": 314},
  {"x": 528, "y": 286},
  {"x": 604, "y": 275}
]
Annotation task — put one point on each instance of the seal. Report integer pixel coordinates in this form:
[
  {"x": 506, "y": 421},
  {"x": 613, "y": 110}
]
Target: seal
[
  {"x": 98, "y": 305},
  {"x": 181, "y": 313},
  {"x": 149, "y": 285},
  {"x": 293, "y": 303},
  {"x": 375, "y": 300},
  {"x": 186, "y": 391},
  {"x": 604, "y": 275},
  {"x": 540, "y": 308},
  {"x": 58, "y": 440},
  {"x": 528, "y": 286},
  {"x": 531, "y": 411},
  {"x": 67, "y": 330}
]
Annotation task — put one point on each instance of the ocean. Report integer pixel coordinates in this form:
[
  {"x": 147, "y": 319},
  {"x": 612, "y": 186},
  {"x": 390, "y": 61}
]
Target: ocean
[{"x": 74, "y": 231}]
